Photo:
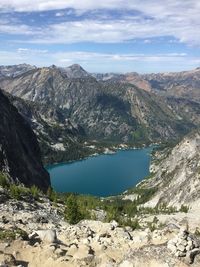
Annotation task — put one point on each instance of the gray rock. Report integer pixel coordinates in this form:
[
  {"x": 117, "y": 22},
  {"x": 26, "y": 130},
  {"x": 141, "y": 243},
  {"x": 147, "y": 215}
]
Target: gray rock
[
  {"x": 114, "y": 225},
  {"x": 189, "y": 247},
  {"x": 60, "y": 252},
  {"x": 181, "y": 248},
  {"x": 47, "y": 236},
  {"x": 191, "y": 254},
  {"x": 180, "y": 254},
  {"x": 172, "y": 247}
]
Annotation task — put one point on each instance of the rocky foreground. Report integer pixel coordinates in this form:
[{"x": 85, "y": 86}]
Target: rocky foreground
[{"x": 34, "y": 233}]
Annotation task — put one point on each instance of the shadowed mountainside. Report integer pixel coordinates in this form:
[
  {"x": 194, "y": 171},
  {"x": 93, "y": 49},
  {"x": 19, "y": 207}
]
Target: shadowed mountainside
[{"x": 19, "y": 149}]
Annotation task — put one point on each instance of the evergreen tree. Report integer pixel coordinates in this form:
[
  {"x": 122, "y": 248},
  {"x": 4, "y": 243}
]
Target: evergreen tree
[{"x": 72, "y": 211}]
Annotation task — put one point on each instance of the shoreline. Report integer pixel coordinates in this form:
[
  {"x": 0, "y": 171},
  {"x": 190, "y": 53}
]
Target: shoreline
[{"x": 105, "y": 152}]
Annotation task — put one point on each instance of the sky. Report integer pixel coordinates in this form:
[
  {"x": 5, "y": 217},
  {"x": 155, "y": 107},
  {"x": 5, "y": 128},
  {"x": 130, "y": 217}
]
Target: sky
[{"x": 102, "y": 36}]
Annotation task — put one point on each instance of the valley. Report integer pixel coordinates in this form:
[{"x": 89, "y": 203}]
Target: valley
[
  {"x": 99, "y": 133},
  {"x": 67, "y": 107},
  {"x": 66, "y": 114}
]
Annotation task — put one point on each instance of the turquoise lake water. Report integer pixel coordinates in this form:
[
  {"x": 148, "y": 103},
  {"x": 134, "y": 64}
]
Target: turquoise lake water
[{"x": 104, "y": 175}]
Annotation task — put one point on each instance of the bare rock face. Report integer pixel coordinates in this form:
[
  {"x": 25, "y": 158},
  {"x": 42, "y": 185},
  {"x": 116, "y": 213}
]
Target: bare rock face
[
  {"x": 74, "y": 71},
  {"x": 19, "y": 149},
  {"x": 175, "y": 174}
]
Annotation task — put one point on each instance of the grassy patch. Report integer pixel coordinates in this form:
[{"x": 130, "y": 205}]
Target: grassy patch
[
  {"x": 8, "y": 235},
  {"x": 4, "y": 182}
]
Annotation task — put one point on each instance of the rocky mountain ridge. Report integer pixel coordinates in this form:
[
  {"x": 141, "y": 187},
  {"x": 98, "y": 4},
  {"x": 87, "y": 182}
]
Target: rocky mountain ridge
[
  {"x": 15, "y": 70},
  {"x": 131, "y": 78},
  {"x": 175, "y": 174},
  {"x": 19, "y": 150},
  {"x": 109, "y": 111},
  {"x": 184, "y": 84},
  {"x": 181, "y": 84}
]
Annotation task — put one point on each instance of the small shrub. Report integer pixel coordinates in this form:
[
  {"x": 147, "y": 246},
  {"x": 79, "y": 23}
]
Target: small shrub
[
  {"x": 133, "y": 223},
  {"x": 15, "y": 191},
  {"x": 35, "y": 192},
  {"x": 197, "y": 232},
  {"x": 6, "y": 234},
  {"x": 112, "y": 214},
  {"x": 184, "y": 208},
  {"x": 21, "y": 233},
  {"x": 52, "y": 195},
  {"x": 4, "y": 180}
]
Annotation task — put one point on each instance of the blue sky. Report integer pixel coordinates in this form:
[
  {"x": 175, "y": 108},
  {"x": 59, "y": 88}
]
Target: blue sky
[{"x": 102, "y": 36}]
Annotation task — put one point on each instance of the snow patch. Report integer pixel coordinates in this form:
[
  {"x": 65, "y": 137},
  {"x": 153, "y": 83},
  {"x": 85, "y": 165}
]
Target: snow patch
[{"x": 58, "y": 146}]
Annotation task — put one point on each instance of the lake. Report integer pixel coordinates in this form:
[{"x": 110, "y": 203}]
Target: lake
[{"x": 103, "y": 175}]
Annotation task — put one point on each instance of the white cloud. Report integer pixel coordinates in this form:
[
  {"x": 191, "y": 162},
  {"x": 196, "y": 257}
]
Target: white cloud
[
  {"x": 41, "y": 5},
  {"x": 178, "y": 19},
  {"x": 18, "y": 29},
  {"x": 31, "y": 51},
  {"x": 116, "y": 31},
  {"x": 106, "y": 57},
  {"x": 59, "y": 14}
]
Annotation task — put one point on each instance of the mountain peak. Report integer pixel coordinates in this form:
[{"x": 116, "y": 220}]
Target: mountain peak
[
  {"x": 75, "y": 66},
  {"x": 75, "y": 71}
]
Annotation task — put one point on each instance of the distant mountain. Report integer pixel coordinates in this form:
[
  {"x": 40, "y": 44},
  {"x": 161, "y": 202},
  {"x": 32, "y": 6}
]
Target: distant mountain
[
  {"x": 185, "y": 84},
  {"x": 131, "y": 78},
  {"x": 74, "y": 71},
  {"x": 111, "y": 111},
  {"x": 15, "y": 70},
  {"x": 19, "y": 150}
]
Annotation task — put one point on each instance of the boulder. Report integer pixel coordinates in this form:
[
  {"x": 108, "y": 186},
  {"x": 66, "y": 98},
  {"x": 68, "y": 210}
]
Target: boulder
[
  {"x": 83, "y": 252},
  {"x": 113, "y": 225},
  {"x": 191, "y": 254},
  {"x": 47, "y": 236},
  {"x": 172, "y": 247},
  {"x": 181, "y": 248}
]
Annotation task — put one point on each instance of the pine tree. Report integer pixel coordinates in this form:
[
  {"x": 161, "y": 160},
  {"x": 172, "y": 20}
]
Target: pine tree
[{"x": 72, "y": 211}]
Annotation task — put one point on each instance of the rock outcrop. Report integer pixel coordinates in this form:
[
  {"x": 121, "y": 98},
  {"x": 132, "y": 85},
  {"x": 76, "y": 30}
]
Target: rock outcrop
[
  {"x": 175, "y": 174},
  {"x": 15, "y": 70},
  {"x": 184, "y": 245},
  {"x": 19, "y": 150}
]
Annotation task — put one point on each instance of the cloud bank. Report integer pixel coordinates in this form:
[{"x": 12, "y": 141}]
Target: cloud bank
[{"x": 179, "y": 19}]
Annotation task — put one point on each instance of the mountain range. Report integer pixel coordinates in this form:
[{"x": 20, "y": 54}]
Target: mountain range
[
  {"x": 154, "y": 224},
  {"x": 69, "y": 106}
]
